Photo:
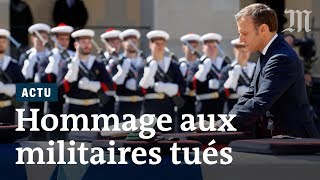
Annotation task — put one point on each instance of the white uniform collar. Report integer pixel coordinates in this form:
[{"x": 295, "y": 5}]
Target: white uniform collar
[
  {"x": 249, "y": 69},
  {"x": 137, "y": 61},
  {"x": 218, "y": 62},
  {"x": 265, "y": 49},
  {"x": 166, "y": 62},
  {"x": 6, "y": 60},
  {"x": 89, "y": 62},
  {"x": 71, "y": 53}
]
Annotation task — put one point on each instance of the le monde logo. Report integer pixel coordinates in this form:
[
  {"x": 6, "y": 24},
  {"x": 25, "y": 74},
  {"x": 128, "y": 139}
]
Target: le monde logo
[{"x": 299, "y": 15}]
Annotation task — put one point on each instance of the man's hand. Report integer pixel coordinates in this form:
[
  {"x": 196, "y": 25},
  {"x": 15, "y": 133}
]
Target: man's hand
[
  {"x": 86, "y": 84},
  {"x": 203, "y": 71},
  {"x": 72, "y": 74},
  {"x": 148, "y": 75},
  {"x": 123, "y": 70}
]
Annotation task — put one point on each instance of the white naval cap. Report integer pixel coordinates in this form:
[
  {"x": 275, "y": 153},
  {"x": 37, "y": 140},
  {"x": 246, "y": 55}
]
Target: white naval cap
[
  {"x": 158, "y": 34},
  {"x": 62, "y": 28},
  {"x": 4, "y": 32},
  {"x": 110, "y": 33},
  {"x": 130, "y": 32},
  {"x": 236, "y": 42},
  {"x": 39, "y": 27},
  {"x": 190, "y": 37},
  {"x": 211, "y": 36},
  {"x": 83, "y": 33}
]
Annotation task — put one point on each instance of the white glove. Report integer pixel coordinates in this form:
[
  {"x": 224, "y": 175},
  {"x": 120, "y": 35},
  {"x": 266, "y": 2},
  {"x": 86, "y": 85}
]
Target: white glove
[
  {"x": 110, "y": 62},
  {"x": 146, "y": 82},
  {"x": 85, "y": 84},
  {"x": 152, "y": 69},
  {"x": 72, "y": 74},
  {"x": 53, "y": 66},
  {"x": 171, "y": 89},
  {"x": 28, "y": 65},
  {"x": 109, "y": 66},
  {"x": 159, "y": 87},
  {"x": 74, "y": 65},
  {"x": 203, "y": 71},
  {"x": 1, "y": 87},
  {"x": 55, "y": 51},
  {"x": 213, "y": 84},
  {"x": 8, "y": 89},
  {"x": 233, "y": 78},
  {"x": 237, "y": 69},
  {"x": 148, "y": 75},
  {"x": 123, "y": 70},
  {"x": 241, "y": 90},
  {"x": 131, "y": 84}
]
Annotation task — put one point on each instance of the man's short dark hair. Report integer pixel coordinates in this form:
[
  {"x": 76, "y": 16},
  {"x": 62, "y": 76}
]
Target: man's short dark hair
[{"x": 260, "y": 14}]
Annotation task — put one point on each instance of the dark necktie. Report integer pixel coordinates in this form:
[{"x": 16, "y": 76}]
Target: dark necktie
[{"x": 257, "y": 73}]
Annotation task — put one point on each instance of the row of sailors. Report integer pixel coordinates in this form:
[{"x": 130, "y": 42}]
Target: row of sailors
[{"x": 125, "y": 83}]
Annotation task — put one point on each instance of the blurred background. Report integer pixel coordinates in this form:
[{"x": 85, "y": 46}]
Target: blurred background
[{"x": 177, "y": 17}]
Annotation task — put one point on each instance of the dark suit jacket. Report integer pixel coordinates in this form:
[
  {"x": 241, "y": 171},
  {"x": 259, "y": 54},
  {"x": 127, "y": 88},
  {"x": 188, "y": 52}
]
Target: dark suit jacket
[
  {"x": 278, "y": 87},
  {"x": 75, "y": 16}
]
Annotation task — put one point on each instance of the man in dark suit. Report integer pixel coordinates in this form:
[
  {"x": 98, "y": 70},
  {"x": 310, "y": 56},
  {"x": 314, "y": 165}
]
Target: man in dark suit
[
  {"x": 71, "y": 12},
  {"x": 276, "y": 102}
]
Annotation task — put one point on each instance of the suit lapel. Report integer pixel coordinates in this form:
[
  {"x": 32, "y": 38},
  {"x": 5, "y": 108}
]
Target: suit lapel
[
  {"x": 255, "y": 77},
  {"x": 263, "y": 61}
]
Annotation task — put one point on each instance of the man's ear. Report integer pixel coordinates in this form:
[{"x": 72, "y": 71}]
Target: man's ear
[
  {"x": 76, "y": 44},
  {"x": 183, "y": 47},
  {"x": 234, "y": 51},
  {"x": 203, "y": 48},
  {"x": 123, "y": 44},
  {"x": 35, "y": 39},
  {"x": 264, "y": 28}
]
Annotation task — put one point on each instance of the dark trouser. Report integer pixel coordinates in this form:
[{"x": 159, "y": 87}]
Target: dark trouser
[
  {"x": 159, "y": 107},
  {"x": 230, "y": 104},
  {"x": 87, "y": 111},
  {"x": 42, "y": 134},
  {"x": 7, "y": 115},
  {"x": 211, "y": 106},
  {"x": 108, "y": 107},
  {"x": 56, "y": 109},
  {"x": 188, "y": 108},
  {"x": 122, "y": 108}
]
